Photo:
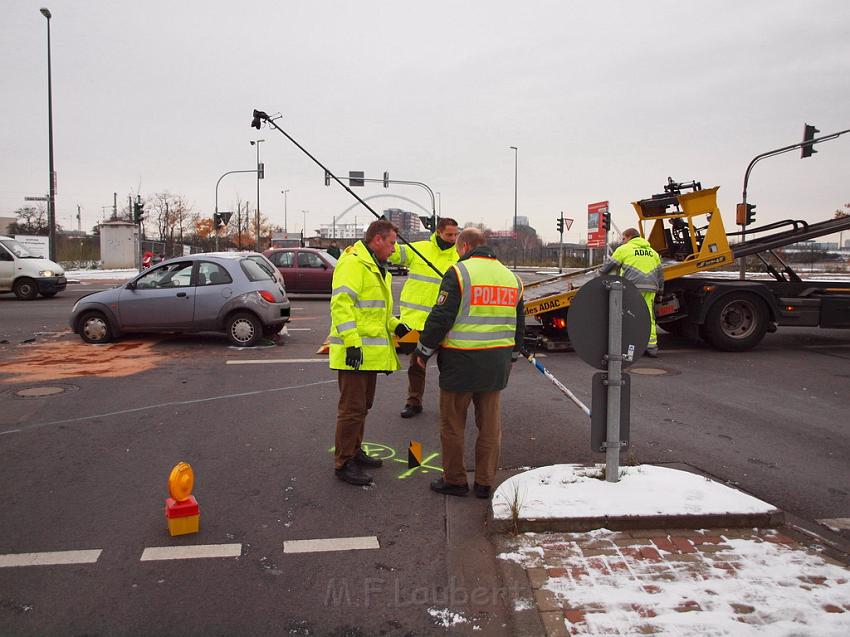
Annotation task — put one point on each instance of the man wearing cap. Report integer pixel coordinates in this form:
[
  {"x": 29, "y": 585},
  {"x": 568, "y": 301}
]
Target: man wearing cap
[{"x": 420, "y": 293}]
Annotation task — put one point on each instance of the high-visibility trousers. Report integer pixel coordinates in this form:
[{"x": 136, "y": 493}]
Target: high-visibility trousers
[{"x": 649, "y": 299}]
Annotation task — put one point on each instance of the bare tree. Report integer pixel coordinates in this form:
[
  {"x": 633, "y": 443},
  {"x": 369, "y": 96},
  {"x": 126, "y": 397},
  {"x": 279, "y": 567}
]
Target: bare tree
[{"x": 30, "y": 220}]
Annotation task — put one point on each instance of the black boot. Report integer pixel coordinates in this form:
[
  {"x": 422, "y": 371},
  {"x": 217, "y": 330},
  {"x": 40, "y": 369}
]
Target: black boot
[
  {"x": 410, "y": 411},
  {"x": 367, "y": 461},
  {"x": 353, "y": 474},
  {"x": 481, "y": 490},
  {"x": 441, "y": 486}
]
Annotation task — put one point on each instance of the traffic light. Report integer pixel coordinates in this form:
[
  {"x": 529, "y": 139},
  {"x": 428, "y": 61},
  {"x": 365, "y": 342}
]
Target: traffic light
[
  {"x": 606, "y": 221},
  {"x": 428, "y": 222},
  {"x": 386, "y": 179},
  {"x": 808, "y": 135},
  {"x": 745, "y": 214},
  {"x": 561, "y": 225},
  {"x": 138, "y": 210},
  {"x": 261, "y": 170},
  {"x": 327, "y": 178},
  {"x": 216, "y": 219}
]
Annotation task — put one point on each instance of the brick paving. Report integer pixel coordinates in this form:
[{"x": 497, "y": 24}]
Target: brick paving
[{"x": 683, "y": 582}]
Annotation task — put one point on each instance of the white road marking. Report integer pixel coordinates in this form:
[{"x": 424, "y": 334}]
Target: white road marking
[
  {"x": 50, "y": 558},
  {"x": 834, "y": 346},
  {"x": 331, "y": 544},
  {"x": 277, "y": 360},
  {"x": 299, "y": 329},
  {"x": 190, "y": 552}
]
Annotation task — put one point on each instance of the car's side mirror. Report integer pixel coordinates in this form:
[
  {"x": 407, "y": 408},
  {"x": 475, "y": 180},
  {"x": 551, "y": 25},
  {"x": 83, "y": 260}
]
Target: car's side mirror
[{"x": 131, "y": 285}]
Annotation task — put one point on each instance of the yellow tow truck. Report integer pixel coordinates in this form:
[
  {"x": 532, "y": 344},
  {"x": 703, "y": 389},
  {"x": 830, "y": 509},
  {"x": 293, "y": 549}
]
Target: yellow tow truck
[{"x": 684, "y": 225}]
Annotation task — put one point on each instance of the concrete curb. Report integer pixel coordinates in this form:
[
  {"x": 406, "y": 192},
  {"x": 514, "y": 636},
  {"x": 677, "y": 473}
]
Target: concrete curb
[{"x": 770, "y": 519}]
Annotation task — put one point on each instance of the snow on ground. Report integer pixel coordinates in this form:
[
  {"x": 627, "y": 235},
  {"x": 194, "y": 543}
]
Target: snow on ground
[{"x": 577, "y": 491}]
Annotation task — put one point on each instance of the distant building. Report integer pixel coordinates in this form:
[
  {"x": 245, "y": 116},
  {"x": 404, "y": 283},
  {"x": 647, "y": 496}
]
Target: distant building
[
  {"x": 342, "y": 231},
  {"x": 406, "y": 221},
  {"x": 571, "y": 250},
  {"x": 521, "y": 220}
]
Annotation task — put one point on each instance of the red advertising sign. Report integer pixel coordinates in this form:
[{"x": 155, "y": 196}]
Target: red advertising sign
[{"x": 596, "y": 233}]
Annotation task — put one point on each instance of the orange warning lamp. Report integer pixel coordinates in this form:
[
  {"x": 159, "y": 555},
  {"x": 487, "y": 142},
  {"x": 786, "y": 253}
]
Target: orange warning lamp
[{"x": 181, "y": 509}]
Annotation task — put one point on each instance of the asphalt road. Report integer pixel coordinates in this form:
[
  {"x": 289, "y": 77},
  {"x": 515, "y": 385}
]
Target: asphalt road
[{"x": 87, "y": 468}]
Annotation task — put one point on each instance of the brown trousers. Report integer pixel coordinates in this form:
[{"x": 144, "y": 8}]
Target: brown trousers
[
  {"x": 488, "y": 419},
  {"x": 415, "y": 384},
  {"x": 356, "y": 395}
]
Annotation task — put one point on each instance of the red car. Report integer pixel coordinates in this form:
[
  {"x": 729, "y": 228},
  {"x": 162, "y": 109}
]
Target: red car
[{"x": 304, "y": 270}]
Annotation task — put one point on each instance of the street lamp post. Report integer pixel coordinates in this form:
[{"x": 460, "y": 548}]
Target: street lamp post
[
  {"x": 51, "y": 202},
  {"x": 439, "y": 205},
  {"x": 259, "y": 176},
  {"x": 304, "y": 228},
  {"x": 285, "y": 230},
  {"x": 516, "y": 234}
]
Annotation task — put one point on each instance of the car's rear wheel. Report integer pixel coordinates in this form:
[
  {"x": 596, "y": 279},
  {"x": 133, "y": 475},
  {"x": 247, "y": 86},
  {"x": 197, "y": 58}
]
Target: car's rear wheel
[
  {"x": 25, "y": 289},
  {"x": 94, "y": 328},
  {"x": 244, "y": 329}
]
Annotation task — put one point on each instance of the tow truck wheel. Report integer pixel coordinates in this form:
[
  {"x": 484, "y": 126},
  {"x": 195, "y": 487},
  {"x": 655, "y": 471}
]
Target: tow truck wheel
[{"x": 736, "y": 322}]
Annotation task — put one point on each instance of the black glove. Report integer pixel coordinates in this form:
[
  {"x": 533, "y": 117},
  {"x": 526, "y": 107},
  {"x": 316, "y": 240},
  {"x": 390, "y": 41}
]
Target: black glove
[
  {"x": 401, "y": 330},
  {"x": 354, "y": 357}
]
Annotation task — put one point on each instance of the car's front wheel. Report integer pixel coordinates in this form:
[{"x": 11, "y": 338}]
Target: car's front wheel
[
  {"x": 244, "y": 329},
  {"x": 94, "y": 328},
  {"x": 25, "y": 289}
]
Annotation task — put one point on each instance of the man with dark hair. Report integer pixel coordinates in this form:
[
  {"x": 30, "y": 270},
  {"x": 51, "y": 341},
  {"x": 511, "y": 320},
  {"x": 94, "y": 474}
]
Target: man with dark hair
[
  {"x": 477, "y": 328},
  {"x": 361, "y": 344},
  {"x": 640, "y": 264},
  {"x": 333, "y": 250},
  {"x": 420, "y": 292}
]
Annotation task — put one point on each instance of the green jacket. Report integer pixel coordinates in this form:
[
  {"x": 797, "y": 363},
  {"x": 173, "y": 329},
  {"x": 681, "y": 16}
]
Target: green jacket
[
  {"x": 423, "y": 284},
  {"x": 638, "y": 263},
  {"x": 473, "y": 370},
  {"x": 362, "y": 312}
]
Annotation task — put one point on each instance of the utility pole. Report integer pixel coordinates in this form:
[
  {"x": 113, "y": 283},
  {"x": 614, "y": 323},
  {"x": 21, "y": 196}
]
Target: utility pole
[
  {"x": 114, "y": 206},
  {"x": 561, "y": 244}
]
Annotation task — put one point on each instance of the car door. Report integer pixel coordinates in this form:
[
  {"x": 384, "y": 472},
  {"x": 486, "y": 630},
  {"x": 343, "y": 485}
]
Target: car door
[
  {"x": 7, "y": 269},
  {"x": 285, "y": 262},
  {"x": 213, "y": 288},
  {"x": 162, "y": 298},
  {"x": 312, "y": 272}
]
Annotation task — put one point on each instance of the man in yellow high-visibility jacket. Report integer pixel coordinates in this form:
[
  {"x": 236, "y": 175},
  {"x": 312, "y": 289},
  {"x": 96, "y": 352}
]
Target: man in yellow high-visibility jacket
[
  {"x": 476, "y": 329},
  {"x": 420, "y": 293},
  {"x": 639, "y": 263},
  {"x": 361, "y": 343}
]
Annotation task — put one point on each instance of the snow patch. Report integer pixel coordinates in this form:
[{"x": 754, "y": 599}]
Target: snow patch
[{"x": 445, "y": 618}]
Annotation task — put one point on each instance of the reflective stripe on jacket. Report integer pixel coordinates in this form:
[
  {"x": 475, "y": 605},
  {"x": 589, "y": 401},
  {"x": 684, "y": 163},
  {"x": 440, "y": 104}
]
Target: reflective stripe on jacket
[
  {"x": 638, "y": 263},
  {"x": 486, "y": 317},
  {"x": 423, "y": 284},
  {"x": 362, "y": 312}
]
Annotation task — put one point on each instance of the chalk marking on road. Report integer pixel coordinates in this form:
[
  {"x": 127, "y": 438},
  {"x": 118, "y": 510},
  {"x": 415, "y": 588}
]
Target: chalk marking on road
[
  {"x": 9, "y": 431},
  {"x": 196, "y": 552},
  {"x": 299, "y": 329},
  {"x": 331, "y": 544},
  {"x": 175, "y": 403},
  {"x": 52, "y": 558},
  {"x": 276, "y": 360}
]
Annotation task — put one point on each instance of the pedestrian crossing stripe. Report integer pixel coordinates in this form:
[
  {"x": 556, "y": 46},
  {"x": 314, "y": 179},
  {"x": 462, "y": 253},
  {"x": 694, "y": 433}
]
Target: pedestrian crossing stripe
[{"x": 414, "y": 454}]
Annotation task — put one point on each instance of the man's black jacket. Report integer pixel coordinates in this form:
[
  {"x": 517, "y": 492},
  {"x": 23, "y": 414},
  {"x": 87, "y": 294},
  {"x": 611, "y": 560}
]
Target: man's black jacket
[{"x": 467, "y": 370}]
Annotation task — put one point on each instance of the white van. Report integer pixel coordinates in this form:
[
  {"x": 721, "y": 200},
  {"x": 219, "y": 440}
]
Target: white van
[{"x": 27, "y": 275}]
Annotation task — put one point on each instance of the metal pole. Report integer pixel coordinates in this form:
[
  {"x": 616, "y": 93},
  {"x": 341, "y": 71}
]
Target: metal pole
[
  {"x": 615, "y": 380},
  {"x": 257, "y": 222},
  {"x": 561, "y": 247},
  {"x": 516, "y": 234},
  {"x": 51, "y": 202},
  {"x": 285, "y": 230}
]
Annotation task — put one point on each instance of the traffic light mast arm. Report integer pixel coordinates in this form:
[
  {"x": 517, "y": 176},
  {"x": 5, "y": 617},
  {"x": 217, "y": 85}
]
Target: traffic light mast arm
[
  {"x": 260, "y": 116},
  {"x": 229, "y": 172}
]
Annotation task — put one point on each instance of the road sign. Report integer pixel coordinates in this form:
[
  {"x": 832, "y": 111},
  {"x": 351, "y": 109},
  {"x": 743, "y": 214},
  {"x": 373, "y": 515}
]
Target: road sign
[
  {"x": 36, "y": 198},
  {"x": 596, "y": 235},
  {"x": 355, "y": 178},
  {"x": 568, "y": 223},
  {"x": 225, "y": 217}
]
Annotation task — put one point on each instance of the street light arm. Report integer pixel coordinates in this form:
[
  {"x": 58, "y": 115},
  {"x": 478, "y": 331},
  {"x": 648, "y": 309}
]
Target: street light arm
[
  {"x": 260, "y": 116},
  {"x": 230, "y": 172}
]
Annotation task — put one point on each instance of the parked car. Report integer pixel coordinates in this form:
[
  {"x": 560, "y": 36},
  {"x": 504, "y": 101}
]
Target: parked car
[
  {"x": 230, "y": 293},
  {"x": 27, "y": 275},
  {"x": 304, "y": 270},
  {"x": 261, "y": 260}
]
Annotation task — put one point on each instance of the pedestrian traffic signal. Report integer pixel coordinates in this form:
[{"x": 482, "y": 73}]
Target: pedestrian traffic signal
[
  {"x": 261, "y": 170},
  {"x": 808, "y": 135},
  {"x": 561, "y": 225},
  {"x": 606, "y": 221},
  {"x": 386, "y": 179},
  {"x": 745, "y": 214}
]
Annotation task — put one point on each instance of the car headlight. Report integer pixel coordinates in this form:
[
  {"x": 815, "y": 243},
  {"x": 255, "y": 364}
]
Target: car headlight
[{"x": 45, "y": 273}]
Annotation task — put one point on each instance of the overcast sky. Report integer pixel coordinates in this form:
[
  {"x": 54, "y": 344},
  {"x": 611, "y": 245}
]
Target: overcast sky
[{"x": 603, "y": 99}]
